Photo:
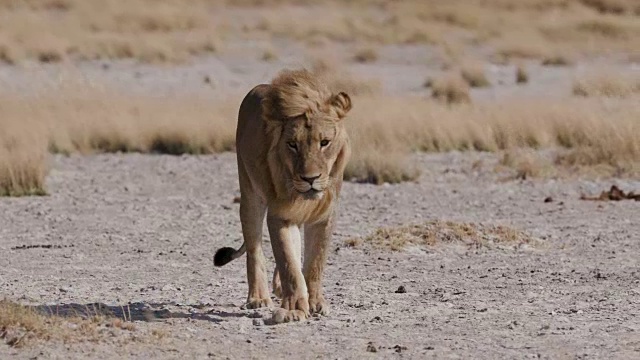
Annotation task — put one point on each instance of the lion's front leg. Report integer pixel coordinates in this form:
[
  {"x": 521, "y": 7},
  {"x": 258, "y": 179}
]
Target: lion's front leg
[
  {"x": 317, "y": 238},
  {"x": 295, "y": 300},
  {"x": 297, "y": 247}
]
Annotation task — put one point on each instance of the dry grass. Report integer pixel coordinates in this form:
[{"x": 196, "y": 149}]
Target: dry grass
[
  {"x": 594, "y": 133},
  {"x": 366, "y": 55},
  {"x": 557, "y": 60},
  {"x": 91, "y": 120},
  {"x": 451, "y": 88},
  {"x": 171, "y": 31},
  {"x": 269, "y": 55},
  {"x": 21, "y": 325},
  {"x": 146, "y": 30},
  {"x": 448, "y": 232},
  {"x": 474, "y": 74},
  {"x": 522, "y": 76},
  {"x": 385, "y": 130},
  {"x": 378, "y": 166},
  {"x": 340, "y": 79},
  {"x": 526, "y": 163},
  {"x": 614, "y": 6},
  {"x": 607, "y": 84},
  {"x": 23, "y": 159}
]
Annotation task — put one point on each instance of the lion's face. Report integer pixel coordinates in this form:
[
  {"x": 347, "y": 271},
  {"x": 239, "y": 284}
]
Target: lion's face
[{"x": 309, "y": 149}]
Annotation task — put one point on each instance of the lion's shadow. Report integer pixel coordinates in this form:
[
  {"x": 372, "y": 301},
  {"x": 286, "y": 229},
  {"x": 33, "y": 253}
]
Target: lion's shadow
[{"x": 138, "y": 311}]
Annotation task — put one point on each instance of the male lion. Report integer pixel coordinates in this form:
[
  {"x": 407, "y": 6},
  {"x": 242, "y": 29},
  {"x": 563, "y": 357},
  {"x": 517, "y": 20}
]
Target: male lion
[{"x": 292, "y": 148}]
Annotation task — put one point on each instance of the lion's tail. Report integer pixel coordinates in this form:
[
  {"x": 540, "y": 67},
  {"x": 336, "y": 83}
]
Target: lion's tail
[{"x": 227, "y": 254}]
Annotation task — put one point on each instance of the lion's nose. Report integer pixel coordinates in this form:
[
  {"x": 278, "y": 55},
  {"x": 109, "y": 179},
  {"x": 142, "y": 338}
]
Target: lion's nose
[{"x": 310, "y": 179}]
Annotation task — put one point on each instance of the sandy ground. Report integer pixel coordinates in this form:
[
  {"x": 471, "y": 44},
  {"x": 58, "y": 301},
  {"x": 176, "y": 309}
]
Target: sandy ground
[{"x": 141, "y": 230}]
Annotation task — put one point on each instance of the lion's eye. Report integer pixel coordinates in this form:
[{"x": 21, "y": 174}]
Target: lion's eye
[
  {"x": 324, "y": 143},
  {"x": 292, "y": 145}
]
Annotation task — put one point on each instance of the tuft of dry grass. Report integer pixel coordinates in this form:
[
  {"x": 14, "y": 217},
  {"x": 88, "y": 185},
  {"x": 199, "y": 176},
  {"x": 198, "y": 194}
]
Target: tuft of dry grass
[
  {"x": 474, "y": 235},
  {"x": 474, "y": 74},
  {"x": 557, "y": 60},
  {"x": 526, "y": 163},
  {"x": 366, "y": 55},
  {"x": 269, "y": 55},
  {"x": 522, "y": 76},
  {"x": 607, "y": 84},
  {"x": 23, "y": 159},
  {"x": 21, "y": 325},
  {"x": 378, "y": 166},
  {"x": 451, "y": 88}
]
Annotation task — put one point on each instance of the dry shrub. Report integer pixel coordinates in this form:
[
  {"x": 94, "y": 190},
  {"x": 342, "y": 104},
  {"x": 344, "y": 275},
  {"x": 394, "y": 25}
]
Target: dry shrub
[
  {"x": 451, "y": 88},
  {"x": 366, "y": 55},
  {"x": 474, "y": 74},
  {"x": 607, "y": 84},
  {"x": 473, "y": 235},
  {"x": 557, "y": 60},
  {"x": 522, "y": 76},
  {"x": 614, "y": 6}
]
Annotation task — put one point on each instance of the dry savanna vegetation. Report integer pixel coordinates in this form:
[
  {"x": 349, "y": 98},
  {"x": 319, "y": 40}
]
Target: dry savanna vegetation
[
  {"x": 174, "y": 31},
  {"x": 607, "y": 84},
  {"x": 473, "y": 235},
  {"x": 23, "y": 325},
  {"x": 591, "y": 132}
]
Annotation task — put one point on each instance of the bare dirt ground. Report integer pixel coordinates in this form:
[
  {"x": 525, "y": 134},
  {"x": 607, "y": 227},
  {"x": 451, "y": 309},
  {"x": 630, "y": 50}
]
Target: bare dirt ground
[{"x": 137, "y": 233}]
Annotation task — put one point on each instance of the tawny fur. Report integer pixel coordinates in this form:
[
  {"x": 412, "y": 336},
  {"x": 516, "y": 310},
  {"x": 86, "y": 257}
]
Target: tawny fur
[{"x": 292, "y": 149}]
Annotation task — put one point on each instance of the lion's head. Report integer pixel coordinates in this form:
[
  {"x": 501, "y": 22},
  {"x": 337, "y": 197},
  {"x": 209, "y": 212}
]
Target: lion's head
[{"x": 309, "y": 146}]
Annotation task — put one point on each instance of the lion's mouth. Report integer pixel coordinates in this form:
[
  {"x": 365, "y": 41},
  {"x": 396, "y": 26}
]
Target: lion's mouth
[{"x": 311, "y": 193}]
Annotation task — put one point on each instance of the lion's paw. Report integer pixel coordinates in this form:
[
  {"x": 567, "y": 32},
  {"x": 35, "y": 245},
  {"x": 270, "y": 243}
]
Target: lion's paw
[
  {"x": 255, "y": 303},
  {"x": 318, "y": 306},
  {"x": 281, "y": 315}
]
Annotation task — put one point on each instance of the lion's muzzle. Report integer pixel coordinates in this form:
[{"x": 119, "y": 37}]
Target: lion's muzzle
[{"x": 310, "y": 185}]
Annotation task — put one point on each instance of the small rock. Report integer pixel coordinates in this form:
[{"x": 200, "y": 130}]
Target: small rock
[
  {"x": 401, "y": 290},
  {"x": 548, "y": 199},
  {"x": 399, "y": 348},
  {"x": 257, "y": 322}
]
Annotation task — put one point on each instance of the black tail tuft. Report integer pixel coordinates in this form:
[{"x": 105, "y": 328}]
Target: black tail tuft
[{"x": 223, "y": 256}]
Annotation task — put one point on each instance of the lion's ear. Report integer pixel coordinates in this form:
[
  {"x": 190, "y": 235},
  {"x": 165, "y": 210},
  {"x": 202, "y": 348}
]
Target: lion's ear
[{"x": 341, "y": 102}]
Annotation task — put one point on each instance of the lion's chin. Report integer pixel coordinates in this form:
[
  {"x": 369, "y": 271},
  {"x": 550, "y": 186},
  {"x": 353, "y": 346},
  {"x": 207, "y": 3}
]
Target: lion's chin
[{"x": 311, "y": 194}]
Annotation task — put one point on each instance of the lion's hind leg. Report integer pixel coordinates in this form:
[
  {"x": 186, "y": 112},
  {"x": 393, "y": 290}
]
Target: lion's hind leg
[{"x": 252, "y": 213}]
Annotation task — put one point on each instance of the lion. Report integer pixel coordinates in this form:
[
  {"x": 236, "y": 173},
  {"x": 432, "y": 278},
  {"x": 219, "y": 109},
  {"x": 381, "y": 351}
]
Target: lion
[{"x": 292, "y": 149}]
